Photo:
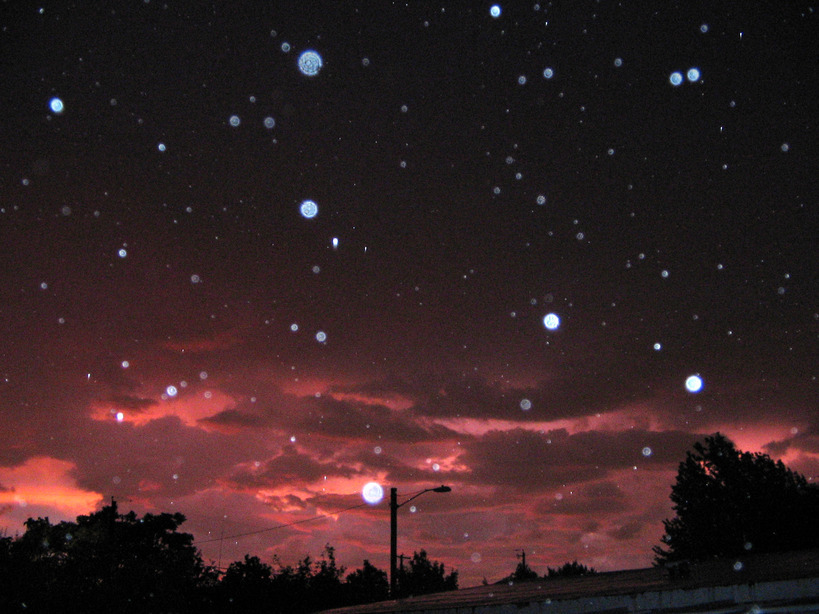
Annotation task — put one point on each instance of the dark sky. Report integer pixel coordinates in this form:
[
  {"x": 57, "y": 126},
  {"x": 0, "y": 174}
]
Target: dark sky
[{"x": 175, "y": 333}]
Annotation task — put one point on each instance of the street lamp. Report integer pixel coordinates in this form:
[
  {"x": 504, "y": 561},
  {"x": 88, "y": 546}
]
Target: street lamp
[{"x": 394, "y": 505}]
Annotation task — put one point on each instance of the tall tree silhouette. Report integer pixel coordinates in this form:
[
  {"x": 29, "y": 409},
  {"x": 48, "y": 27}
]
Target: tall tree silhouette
[{"x": 728, "y": 502}]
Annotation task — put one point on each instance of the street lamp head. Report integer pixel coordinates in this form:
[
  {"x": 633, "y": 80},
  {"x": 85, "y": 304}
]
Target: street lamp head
[{"x": 442, "y": 488}]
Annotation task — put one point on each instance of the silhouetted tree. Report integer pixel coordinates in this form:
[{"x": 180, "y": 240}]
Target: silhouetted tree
[
  {"x": 424, "y": 576},
  {"x": 105, "y": 562},
  {"x": 728, "y": 502},
  {"x": 246, "y": 587},
  {"x": 569, "y": 570},
  {"x": 367, "y": 584},
  {"x": 522, "y": 573}
]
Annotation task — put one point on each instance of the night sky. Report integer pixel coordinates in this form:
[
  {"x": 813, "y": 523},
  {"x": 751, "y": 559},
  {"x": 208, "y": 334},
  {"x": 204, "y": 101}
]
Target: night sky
[{"x": 176, "y": 333}]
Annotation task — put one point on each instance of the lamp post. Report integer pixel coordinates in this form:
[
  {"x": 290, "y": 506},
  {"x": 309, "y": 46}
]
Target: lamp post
[{"x": 394, "y": 505}]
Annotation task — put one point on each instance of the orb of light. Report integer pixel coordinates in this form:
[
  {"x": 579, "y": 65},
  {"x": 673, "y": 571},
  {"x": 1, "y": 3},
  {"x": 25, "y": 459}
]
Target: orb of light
[
  {"x": 693, "y": 74},
  {"x": 372, "y": 493},
  {"x": 551, "y": 321},
  {"x": 171, "y": 391},
  {"x": 525, "y": 404},
  {"x": 495, "y": 11},
  {"x": 548, "y": 73},
  {"x": 321, "y": 336},
  {"x": 56, "y": 105},
  {"x": 309, "y": 209},
  {"x": 234, "y": 120},
  {"x": 269, "y": 123},
  {"x": 120, "y": 416},
  {"x": 675, "y": 78},
  {"x": 693, "y": 383},
  {"x": 310, "y": 63}
]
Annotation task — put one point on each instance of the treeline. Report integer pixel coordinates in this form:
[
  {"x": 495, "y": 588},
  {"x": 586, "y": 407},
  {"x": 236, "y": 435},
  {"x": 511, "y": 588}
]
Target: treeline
[{"x": 112, "y": 562}]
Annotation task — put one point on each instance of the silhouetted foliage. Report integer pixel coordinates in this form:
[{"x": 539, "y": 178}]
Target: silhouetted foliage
[
  {"x": 728, "y": 502},
  {"x": 112, "y": 562},
  {"x": 368, "y": 584},
  {"x": 569, "y": 570},
  {"x": 423, "y": 576},
  {"x": 522, "y": 573},
  {"x": 104, "y": 562}
]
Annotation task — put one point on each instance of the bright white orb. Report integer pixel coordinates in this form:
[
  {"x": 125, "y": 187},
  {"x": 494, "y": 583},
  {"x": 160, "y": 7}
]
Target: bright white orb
[
  {"x": 321, "y": 336},
  {"x": 309, "y": 209},
  {"x": 676, "y": 78},
  {"x": 495, "y": 11},
  {"x": 56, "y": 105},
  {"x": 693, "y": 74},
  {"x": 310, "y": 63},
  {"x": 548, "y": 73},
  {"x": 693, "y": 383},
  {"x": 658, "y": 346},
  {"x": 120, "y": 416},
  {"x": 551, "y": 321},
  {"x": 372, "y": 493},
  {"x": 171, "y": 391}
]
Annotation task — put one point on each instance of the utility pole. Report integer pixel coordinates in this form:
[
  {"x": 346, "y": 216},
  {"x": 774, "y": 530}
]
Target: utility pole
[
  {"x": 394, "y": 505},
  {"x": 393, "y": 537}
]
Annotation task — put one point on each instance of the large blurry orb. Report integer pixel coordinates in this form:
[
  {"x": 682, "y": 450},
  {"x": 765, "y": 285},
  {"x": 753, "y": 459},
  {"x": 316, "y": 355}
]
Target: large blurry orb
[
  {"x": 372, "y": 493},
  {"x": 310, "y": 63},
  {"x": 551, "y": 321},
  {"x": 693, "y": 74},
  {"x": 693, "y": 383},
  {"x": 676, "y": 78},
  {"x": 495, "y": 11},
  {"x": 56, "y": 105},
  {"x": 309, "y": 209}
]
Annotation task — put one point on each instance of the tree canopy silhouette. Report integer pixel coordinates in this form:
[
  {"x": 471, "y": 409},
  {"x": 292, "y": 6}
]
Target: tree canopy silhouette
[
  {"x": 728, "y": 502},
  {"x": 568, "y": 570},
  {"x": 425, "y": 576},
  {"x": 104, "y": 562}
]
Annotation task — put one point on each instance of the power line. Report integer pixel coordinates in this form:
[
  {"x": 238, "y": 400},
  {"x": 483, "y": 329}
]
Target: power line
[{"x": 281, "y": 526}]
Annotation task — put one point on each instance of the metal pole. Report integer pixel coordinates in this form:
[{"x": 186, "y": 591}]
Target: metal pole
[{"x": 393, "y": 538}]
